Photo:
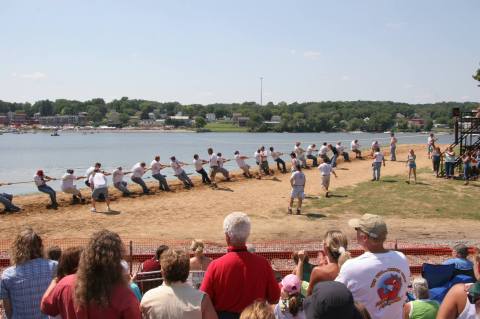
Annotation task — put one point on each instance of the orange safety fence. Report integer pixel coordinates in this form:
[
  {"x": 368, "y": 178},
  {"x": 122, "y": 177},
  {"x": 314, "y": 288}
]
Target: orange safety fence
[{"x": 278, "y": 252}]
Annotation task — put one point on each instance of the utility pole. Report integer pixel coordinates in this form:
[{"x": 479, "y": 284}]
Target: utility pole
[{"x": 261, "y": 91}]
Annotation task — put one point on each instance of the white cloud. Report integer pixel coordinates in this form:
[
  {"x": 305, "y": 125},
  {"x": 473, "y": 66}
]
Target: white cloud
[
  {"x": 345, "y": 78},
  {"x": 312, "y": 55},
  {"x": 30, "y": 76}
]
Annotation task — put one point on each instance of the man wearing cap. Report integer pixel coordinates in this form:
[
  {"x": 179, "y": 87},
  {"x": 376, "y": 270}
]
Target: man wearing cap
[
  {"x": 460, "y": 254},
  {"x": 379, "y": 277}
]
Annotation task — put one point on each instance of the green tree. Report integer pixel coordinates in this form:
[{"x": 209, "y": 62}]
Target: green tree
[
  {"x": 200, "y": 122},
  {"x": 45, "y": 107}
]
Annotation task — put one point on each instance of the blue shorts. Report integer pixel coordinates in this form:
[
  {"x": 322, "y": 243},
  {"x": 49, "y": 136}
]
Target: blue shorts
[{"x": 412, "y": 165}]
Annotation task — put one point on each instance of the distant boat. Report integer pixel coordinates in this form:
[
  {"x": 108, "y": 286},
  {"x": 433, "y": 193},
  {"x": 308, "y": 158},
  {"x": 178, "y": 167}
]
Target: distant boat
[{"x": 55, "y": 133}]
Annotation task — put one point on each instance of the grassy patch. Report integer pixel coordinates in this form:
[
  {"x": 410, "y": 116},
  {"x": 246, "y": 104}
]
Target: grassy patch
[
  {"x": 225, "y": 127},
  {"x": 392, "y": 196}
]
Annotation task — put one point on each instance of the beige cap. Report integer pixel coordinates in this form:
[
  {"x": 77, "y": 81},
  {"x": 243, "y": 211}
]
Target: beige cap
[{"x": 372, "y": 225}]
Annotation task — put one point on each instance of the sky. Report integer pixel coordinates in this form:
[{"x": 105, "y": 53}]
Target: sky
[{"x": 216, "y": 51}]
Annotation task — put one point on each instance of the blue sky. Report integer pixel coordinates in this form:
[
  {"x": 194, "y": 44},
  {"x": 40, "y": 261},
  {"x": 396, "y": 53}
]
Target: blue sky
[{"x": 209, "y": 51}]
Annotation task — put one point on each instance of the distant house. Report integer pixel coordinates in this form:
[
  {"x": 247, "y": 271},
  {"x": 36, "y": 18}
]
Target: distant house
[
  {"x": 235, "y": 117},
  {"x": 151, "y": 116},
  {"x": 146, "y": 122},
  {"x": 180, "y": 120},
  {"x": 276, "y": 118},
  {"x": 416, "y": 122},
  {"x": 3, "y": 120},
  {"x": 211, "y": 117},
  {"x": 242, "y": 121},
  {"x": 59, "y": 120},
  {"x": 399, "y": 116}
]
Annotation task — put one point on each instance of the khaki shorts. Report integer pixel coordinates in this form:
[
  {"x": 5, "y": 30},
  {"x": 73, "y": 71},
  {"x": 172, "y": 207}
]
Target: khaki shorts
[
  {"x": 326, "y": 181},
  {"x": 73, "y": 191}
]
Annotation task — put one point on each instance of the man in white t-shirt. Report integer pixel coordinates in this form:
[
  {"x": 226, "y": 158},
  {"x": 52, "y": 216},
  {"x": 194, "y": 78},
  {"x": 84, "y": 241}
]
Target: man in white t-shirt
[
  {"x": 355, "y": 147},
  {"x": 138, "y": 170},
  {"x": 264, "y": 167},
  {"x": 276, "y": 157},
  {"x": 240, "y": 159},
  {"x": 378, "y": 278},
  {"x": 68, "y": 186},
  {"x": 323, "y": 152},
  {"x": 300, "y": 152},
  {"x": 326, "y": 170},
  {"x": 119, "y": 183},
  {"x": 215, "y": 167},
  {"x": 99, "y": 186},
  {"x": 311, "y": 149},
  {"x": 89, "y": 172},
  {"x": 156, "y": 168},
  {"x": 178, "y": 170},
  {"x": 297, "y": 181},
  {"x": 378, "y": 159},
  {"x": 198, "y": 163},
  {"x": 341, "y": 150}
]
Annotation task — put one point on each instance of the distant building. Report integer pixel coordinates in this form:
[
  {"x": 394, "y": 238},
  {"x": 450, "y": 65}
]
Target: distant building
[
  {"x": 276, "y": 118},
  {"x": 235, "y": 116},
  {"x": 147, "y": 122},
  {"x": 19, "y": 118},
  {"x": 416, "y": 123},
  {"x": 179, "y": 120},
  {"x": 113, "y": 118},
  {"x": 399, "y": 116},
  {"x": 3, "y": 120},
  {"x": 211, "y": 117},
  {"x": 59, "y": 120},
  {"x": 151, "y": 116},
  {"x": 242, "y": 121}
]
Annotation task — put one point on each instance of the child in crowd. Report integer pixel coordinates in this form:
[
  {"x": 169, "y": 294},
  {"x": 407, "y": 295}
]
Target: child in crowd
[{"x": 290, "y": 305}]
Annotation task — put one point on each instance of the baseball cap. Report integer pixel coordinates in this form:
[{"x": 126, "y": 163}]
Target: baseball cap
[
  {"x": 291, "y": 284},
  {"x": 372, "y": 225}
]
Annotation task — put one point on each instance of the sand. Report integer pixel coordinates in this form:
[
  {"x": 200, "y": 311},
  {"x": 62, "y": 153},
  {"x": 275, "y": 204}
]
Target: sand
[{"x": 199, "y": 213}]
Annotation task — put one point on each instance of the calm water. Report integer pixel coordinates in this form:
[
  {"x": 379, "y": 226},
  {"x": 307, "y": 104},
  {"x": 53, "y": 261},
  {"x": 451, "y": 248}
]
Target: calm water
[{"x": 21, "y": 155}]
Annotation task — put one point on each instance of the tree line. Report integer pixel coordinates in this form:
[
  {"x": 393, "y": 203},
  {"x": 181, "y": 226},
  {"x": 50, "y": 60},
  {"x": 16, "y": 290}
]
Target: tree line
[{"x": 295, "y": 117}]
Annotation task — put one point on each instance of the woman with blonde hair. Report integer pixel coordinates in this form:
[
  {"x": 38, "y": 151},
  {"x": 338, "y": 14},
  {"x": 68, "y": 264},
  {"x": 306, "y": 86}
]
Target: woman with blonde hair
[
  {"x": 199, "y": 261},
  {"x": 258, "y": 310},
  {"x": 335, "y": 254}
]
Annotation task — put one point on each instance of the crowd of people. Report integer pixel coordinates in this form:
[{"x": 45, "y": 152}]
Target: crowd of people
[{"x": 94, "y": 281}]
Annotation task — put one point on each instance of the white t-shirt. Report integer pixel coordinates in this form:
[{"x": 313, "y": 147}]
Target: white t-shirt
[
  {"x": 299, "y": 151},
  {"x": 220, "y": 161},
  {"x": 340, "y": 148},
  {"x": 325, "y": 169},
  {"x": 177, "y": 168},
  {"x": 298, "y": 178},
  {"x": 98, "y": 180},
  {"x": 354, "y": 146},
  {"x": 240, "y": 161},
  {"x": 38, "y": 180},
  {"x": 378, "y": 281},
  {"x": 89, "y": 172},
  {"x": 323, "y": 150},
  {"x": 156, "y": 167},
  {"x": 431, "y": 140},
  {"x": 198, "y": 164},
  {"x": 213, "y": 160},
  {"x": 258, "y": 157},
  {"x": 117, "y": 176},
  {"x": 137, "y": 170},
  {"x": 378, "y": 157},
  {"x": 67, "y": 181},
  {"x": 310, "y": 149},
  {"x": 275, "y": 155}
]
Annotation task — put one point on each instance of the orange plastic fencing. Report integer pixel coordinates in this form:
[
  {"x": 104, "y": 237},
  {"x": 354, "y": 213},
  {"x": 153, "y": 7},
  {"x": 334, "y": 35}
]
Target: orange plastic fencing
[{"x": 279, "y": 253}]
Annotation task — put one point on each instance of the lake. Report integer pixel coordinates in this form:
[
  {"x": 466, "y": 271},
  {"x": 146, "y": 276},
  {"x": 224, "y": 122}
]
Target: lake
[{"x": 21, "y": 155}]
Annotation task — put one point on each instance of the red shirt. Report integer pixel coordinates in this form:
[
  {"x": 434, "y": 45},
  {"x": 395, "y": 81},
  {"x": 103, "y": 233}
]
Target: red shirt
[
  {"x": 238, "y": 278},
  {"x": 150, "y": 265},
  {"x": 123, "y": 304}
]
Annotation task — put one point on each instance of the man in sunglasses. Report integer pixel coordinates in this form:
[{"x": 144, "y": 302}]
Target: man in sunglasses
[
  {"x": 462, "y": 302},
  {"x": 378, "y": 278}
]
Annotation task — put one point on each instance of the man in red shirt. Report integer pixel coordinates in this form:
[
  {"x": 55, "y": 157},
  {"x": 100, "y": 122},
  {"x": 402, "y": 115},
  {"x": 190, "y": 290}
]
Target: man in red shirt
[
  {"x": 238, "y": 278},
  {"x": 153, "y": 264}
]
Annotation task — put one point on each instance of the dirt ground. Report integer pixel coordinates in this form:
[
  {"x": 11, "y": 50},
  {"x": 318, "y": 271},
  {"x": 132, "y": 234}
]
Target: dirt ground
[{"x": 199, "y": 213}]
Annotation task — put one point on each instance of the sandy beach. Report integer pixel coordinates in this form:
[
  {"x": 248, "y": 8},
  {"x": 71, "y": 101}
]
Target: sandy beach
[{"x": 198, "y": 213}]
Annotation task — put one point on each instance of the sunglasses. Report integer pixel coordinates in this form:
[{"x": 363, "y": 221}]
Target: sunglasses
[{"x": 473, "y": 298}]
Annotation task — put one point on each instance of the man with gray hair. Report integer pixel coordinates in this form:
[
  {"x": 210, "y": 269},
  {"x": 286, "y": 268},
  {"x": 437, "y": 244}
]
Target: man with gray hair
[
  {"x": 238, "y": 278},
  {"x": 460, "y": 254}
]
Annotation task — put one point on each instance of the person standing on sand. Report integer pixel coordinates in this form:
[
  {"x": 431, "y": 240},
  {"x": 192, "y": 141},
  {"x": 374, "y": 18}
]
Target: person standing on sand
[
  {"x": 325, "y": 171},
  {"x": 297, "y": 181},
  {"x": 378, "y": 159},
  {"x": 295, "y": 162},
  {"x": 156, "y": 168},
  {"x": 393, "y": 147},
  {"x": 99, "y": 186},
  {"x": 310, "y": 150},
  {"x": 341, "y": 150},
  {"x": 89, "y": 172},
  {"x": 119, "y": 183},
  {"x": 240, "y": 159},
  {"x": 300, "y": 152},
  {"x": 276, "y": 157},
  {"x": 355, "y": 147},
  {"x": 374, "y": 146},
  {"x": 333, "y": 160},
  {"x": 179, "y": 172},
  {"x": 198, "y": 163},
  {"x": 138, "y": 170},
  {"x": 436, "y": 157},
  {"x": 264, "y": 161},
  {"x": 431, "y": 144},
  {"x": 412, "y": 166},
  {"x": 41, "y": 180},
  {"x": 323, "y": 152},
  {"x": 449, "y": 163},
  {"x": 215, "y": 168}
]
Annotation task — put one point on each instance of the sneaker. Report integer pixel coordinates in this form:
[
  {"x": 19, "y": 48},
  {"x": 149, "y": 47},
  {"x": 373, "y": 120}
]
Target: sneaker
[
  {"x": 298, "y": 211},
  {"x": 289, "y": 210},
  {"x": 93, "y": 210}
]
